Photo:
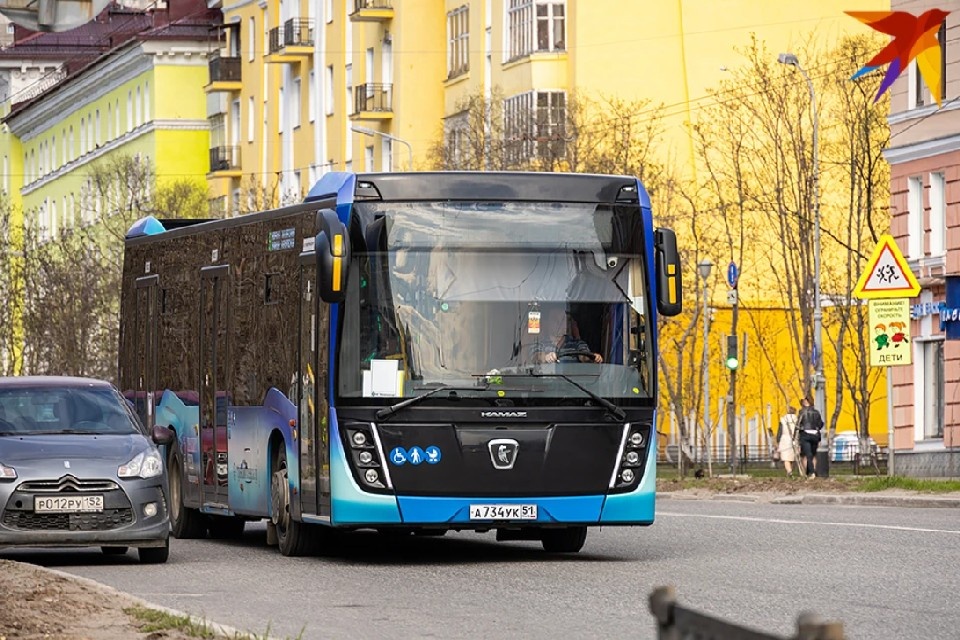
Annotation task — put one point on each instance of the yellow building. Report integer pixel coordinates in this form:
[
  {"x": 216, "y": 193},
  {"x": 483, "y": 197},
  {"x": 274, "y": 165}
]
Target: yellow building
[
  {"x": 298, "y": 88},
  {"x": 127, "y": 84},
  {"x": 301, "y": 88}
]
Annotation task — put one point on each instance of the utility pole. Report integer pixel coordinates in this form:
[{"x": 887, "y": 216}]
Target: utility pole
[{"x": 733, "y": 363}]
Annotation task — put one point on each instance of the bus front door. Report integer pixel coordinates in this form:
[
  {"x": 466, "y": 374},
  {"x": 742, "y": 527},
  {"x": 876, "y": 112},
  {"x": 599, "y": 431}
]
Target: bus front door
[
  {"x": 145, "y": 350},
  {"x": 214, "y": 353},
  {"x": 312, "y": 419}
]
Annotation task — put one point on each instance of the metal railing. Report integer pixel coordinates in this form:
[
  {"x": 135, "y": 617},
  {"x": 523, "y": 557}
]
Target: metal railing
[
  {"x": 223, "y": 69},
  {"x": 295, "y": 32},
  {"x": 753, "y": 458},
  {"x": 373, "y": 97},
  {"x": 678, "y": 623},
  {"x": 359, "y": 5},
  {"x": 298, "y": 32},
  {"x": 224, "y": 158}
]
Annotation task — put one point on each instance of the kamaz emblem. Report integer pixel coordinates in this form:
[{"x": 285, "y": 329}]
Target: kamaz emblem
[{"x": 503, "y": 414}]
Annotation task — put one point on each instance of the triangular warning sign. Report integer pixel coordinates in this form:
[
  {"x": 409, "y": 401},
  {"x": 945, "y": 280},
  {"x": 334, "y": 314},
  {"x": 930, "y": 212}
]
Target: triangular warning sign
[{"x": 887, "y": 274}]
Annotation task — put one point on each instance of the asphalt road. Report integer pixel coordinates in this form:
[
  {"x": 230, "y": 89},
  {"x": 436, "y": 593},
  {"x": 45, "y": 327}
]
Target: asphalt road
[{"x": 884, "y": 572}]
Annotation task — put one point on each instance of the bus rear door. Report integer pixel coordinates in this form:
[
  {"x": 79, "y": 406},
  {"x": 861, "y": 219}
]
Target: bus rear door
[{"x": 214, "y": 353}]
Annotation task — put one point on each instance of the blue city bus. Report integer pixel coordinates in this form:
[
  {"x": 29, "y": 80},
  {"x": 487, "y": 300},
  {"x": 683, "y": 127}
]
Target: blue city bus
[{"x": 407, "y": 352}]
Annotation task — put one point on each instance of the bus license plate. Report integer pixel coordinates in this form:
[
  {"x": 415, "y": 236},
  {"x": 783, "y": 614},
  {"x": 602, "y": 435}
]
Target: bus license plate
[
  {"x": 67, "y": 504},
  {"x": 503, "y": 512}
]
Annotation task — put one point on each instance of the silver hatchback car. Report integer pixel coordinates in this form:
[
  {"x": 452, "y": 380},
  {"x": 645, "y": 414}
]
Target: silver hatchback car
[{"x": 78, "y": 469}]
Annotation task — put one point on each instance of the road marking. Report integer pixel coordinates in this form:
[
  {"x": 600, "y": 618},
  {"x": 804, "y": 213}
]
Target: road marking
[{"x": 863, "y": 525}]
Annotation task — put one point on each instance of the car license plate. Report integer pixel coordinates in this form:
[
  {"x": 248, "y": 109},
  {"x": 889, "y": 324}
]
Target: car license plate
[
  {"x": 503, "y": 512},
  {"x": 67, "y": 504}
]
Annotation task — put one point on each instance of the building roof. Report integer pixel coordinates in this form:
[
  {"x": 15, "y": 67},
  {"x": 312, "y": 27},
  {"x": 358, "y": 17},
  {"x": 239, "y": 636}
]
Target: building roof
[{"x": 117, "y": 27}]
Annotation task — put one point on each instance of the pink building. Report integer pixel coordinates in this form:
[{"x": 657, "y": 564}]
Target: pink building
[{"x": 924, "y": 157}]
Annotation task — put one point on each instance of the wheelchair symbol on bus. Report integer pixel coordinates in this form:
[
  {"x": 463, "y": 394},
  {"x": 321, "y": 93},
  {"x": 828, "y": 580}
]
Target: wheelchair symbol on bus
[{"x": 398, "y": 456}]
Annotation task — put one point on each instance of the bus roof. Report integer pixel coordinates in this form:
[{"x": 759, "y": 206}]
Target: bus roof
[{"x": 497, "y": 186}]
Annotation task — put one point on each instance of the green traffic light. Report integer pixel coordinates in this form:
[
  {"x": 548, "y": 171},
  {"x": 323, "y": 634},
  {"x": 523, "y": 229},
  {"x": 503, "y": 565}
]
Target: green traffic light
[{"x": 732, "y": 363}]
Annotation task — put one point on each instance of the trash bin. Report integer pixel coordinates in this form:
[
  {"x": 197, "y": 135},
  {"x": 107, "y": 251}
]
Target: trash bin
[{"x": 823, "y": 460}]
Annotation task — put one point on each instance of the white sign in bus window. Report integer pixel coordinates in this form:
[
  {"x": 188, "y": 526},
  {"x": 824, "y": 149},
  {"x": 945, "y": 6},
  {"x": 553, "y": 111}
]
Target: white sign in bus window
[{"x": 383, "y": 375}]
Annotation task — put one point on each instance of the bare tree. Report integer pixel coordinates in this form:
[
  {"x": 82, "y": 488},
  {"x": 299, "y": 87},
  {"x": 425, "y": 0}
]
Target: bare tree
[
  {"x": 11, "y": 288},
  {"x": 855, "y": 157},
  {"x": 72, "y": 274}
]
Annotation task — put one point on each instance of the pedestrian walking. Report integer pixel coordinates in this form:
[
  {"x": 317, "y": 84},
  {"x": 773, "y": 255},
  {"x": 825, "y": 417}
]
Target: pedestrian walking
[
  {"x": 786, "y": 449},
  {"x": 809, "y": 428}
]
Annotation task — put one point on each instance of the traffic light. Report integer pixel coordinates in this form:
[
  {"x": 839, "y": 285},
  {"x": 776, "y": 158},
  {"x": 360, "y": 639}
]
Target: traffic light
[{"x": 733, "y": 355}]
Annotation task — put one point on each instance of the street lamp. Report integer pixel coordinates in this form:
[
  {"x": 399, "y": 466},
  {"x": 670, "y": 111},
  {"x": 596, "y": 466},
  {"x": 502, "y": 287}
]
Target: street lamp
[
  {"x": 373, "y": 132},
  {"x": 818, "y": 379},
  {"x": 703, "y": 268}
]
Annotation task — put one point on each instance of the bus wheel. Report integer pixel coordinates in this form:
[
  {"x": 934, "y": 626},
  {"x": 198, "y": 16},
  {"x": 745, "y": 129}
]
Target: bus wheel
[
  {"x": 568, "y": 540},
  {"x": 184, "y": 522},
  {"x": 292, "y": 536},
  {"x": 226, "y": 527}
]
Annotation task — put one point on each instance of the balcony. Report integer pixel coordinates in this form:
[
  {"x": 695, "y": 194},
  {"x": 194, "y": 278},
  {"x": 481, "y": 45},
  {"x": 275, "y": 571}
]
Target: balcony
[
  {"x": 291, "y": 43},
  {"x": 224, "y": 74},
  {"x": 225, "y": 161},
  {"x": 372, "y": 11},
  {"x": 373, "y": 102}
]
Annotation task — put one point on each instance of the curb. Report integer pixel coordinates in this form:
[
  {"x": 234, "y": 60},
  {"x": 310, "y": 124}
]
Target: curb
[
  {"x": 843, "y": 499},
  {"x": 221, "y": 630},
  {"x": 917, "y": 502}
]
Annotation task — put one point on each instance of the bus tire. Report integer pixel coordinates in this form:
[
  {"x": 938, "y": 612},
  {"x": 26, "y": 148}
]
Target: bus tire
[
  {"x": 293, "y": 538},
  {"x": 185, "y": 523},
  {"x": 225, "y": 527},
  {"x": 567, "y": 540}
]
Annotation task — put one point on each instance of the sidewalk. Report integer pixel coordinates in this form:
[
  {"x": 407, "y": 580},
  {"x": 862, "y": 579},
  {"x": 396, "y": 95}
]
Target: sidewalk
[{"x": 880, "y": 499}]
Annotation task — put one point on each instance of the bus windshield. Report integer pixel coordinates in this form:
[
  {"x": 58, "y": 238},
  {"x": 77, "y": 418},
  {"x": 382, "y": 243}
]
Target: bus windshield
[{"x": 498, "y": 299}]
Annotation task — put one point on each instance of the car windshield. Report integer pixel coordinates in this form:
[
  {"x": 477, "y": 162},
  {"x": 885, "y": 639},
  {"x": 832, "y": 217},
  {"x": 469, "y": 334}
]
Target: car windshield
[
  {"x": 457, "y": 293},
  {"x": 26, "y": 411}
]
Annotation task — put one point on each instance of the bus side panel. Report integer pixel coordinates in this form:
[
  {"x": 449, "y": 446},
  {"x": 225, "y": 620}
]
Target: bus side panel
[
  {"x": 185, "y": 421},
  {"x": 250, "y": 431},
  {"x": 636, "y": 507},
  {"x": 349, "y": 504}
]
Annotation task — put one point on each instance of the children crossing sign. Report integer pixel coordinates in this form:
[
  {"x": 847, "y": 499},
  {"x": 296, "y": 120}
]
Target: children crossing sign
[{"x": 887, "y": 274}]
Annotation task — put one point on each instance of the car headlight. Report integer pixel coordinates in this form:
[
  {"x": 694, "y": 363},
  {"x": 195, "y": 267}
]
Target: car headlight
[
  {"x": 7, "y": 473},
  {"x": 148, "y": 464}
]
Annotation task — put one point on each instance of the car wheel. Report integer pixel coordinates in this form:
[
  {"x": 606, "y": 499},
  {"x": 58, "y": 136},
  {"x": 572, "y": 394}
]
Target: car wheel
[
  {"x": 292, "y": 537},
  {"x": 185, "y": 522},
  {"x": 225, "y": 527},
  {"x": 154, "y": 555},
  {"x": 114, "y": 551},
  {"x": 569, "y": 540}
]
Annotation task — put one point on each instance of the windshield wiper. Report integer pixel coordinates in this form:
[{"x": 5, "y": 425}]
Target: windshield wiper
[
  {"x": 614, "y": 410},
  {"x": 386, "y": 412}
]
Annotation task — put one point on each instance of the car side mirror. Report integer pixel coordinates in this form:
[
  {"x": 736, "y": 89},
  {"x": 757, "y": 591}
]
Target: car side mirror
[{"x": 162, "y": 435}]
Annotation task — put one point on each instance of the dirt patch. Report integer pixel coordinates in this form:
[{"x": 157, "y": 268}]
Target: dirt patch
[{"x": 39, "y": 604}]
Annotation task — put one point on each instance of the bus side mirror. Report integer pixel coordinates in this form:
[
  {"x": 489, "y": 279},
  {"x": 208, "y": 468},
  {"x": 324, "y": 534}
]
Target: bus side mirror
[
  {"x": 669, "y": 285},
  {"x": 332, "y": 249}
]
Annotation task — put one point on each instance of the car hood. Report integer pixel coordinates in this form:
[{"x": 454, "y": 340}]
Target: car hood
[{"x": 16, "y": 450}]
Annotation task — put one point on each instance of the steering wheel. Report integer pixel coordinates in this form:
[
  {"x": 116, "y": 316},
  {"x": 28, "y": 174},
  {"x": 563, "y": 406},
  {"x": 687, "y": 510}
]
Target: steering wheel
[{"x": 573, "y": 353}]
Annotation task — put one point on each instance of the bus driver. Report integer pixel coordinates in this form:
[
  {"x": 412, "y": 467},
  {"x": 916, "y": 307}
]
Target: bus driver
[{"x": 561, "y": 344}]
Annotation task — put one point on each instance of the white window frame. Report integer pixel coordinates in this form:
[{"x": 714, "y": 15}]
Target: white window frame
[
  {"x": 328, "y": 97},
  {"x": 458, "y": 41},
  {"x": 368, "y": 158},
  {"x": 251, "y": 39},
  {"x": 523, "y": 19},
  {"x": 296, "y": 98},
  {"x": 938, "y": 214},
  {"x": 312, "y": 96},
  {"x": 251, "y": 119},
  {"x": 915, "y": 216}
]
